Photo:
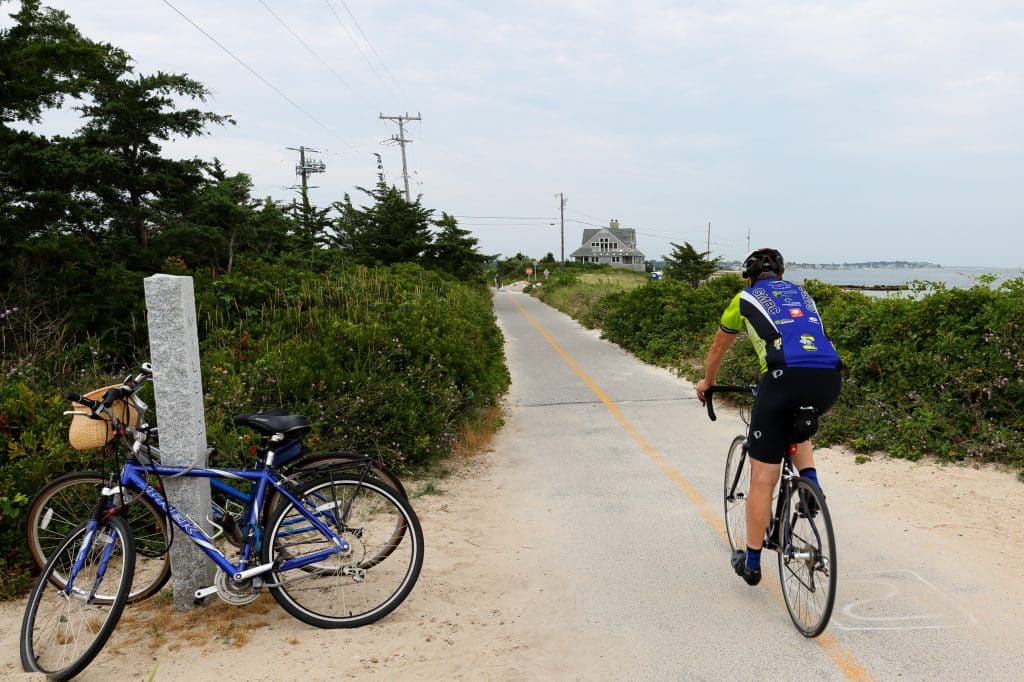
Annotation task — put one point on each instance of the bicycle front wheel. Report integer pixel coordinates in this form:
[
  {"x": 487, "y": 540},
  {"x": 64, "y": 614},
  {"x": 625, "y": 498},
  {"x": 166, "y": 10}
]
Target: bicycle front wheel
[
  {"x": 351, "y": 589},
  {"x": 66, "y": 626},
  {"x": 737, "y": 484},
  {"x": 807, "y": 557},
  {"x": 66, "y": 501}
]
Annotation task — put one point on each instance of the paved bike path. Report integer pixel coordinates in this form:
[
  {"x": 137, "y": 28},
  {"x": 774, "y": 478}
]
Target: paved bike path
[{"x": 621, "y": 475}]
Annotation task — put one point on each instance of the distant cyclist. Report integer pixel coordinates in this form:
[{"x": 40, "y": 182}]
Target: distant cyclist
[{"x": 799, "y": 367}]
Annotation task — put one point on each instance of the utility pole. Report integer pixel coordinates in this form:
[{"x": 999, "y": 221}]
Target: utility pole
[
  {"x": 400, "y": 139},
  {"x": 748, "y": 240},
  {"x": 304, "y": 170},
  {"x": 561, "y": 211},
  {"x": 709, "y": 237}
]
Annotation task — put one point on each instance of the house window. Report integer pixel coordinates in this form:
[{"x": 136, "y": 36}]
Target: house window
[{"x": 616, "y": 259}]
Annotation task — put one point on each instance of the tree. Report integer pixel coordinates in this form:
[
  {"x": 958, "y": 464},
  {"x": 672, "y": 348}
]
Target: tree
[
  {"x": 455, "y": 252},
  {"x": 514, "y": 267},
  {"x": 312, "y": 226},
  {"x": 43, "y": 61},
  {"x": 687, "y": 265},
  {"x": 391, "y": 230},
  {"x": 217, "y": 222},
  {"x": 119, "y": 146}
]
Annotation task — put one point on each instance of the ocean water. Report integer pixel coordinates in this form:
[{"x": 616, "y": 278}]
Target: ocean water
[{"x": 952, "y": 276}]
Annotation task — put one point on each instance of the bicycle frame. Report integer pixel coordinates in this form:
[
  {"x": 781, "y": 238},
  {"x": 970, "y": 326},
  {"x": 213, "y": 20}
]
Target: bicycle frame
[{"x": 263, "y": 479}]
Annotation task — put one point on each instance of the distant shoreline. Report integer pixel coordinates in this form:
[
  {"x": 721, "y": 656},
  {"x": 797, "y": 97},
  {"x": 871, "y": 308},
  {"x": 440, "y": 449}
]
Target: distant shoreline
[
  {"x": 863, "y": 265},
  {"x": 881, "y": 280}
]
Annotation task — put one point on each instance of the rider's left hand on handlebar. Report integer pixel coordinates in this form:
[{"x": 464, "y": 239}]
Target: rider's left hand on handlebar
[{"x": 702, "y": 386}]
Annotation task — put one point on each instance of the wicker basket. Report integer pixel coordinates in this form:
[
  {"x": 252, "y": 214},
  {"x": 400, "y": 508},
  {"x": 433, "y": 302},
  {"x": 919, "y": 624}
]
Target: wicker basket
[{"x": 86, "y": 433}]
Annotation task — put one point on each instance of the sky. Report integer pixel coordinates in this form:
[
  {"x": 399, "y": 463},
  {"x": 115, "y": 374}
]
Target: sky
[{"x": 838, "y": 131}]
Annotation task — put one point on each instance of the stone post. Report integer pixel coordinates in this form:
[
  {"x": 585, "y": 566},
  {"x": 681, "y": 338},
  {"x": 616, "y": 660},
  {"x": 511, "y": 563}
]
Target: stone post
[{"x": 178, "y": 388}]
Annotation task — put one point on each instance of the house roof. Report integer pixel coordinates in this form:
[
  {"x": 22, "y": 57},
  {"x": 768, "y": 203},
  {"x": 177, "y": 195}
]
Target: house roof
[{"x": 625, "y": 237}]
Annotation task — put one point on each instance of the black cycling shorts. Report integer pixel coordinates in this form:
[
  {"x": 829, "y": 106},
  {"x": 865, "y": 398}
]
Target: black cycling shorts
[{"x": 779, "y": 394}]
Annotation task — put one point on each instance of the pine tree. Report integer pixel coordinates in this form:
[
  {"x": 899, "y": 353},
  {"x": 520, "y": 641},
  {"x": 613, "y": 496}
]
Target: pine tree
[
  {"x": 685, "y": 264},
  {"x": 390, "y": 230},
  {"x": 455, "y": 251}
]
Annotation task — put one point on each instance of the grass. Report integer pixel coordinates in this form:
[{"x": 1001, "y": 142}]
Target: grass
[
  {"x": 475, "y": 439},
  {"x": 618, "y": 280},
  {"x": 577, "y": 299},
  {"x": 156, "y": 623}
]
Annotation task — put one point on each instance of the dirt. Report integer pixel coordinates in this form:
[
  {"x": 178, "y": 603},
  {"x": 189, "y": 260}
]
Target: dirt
[{"x": 484, "y": 607}]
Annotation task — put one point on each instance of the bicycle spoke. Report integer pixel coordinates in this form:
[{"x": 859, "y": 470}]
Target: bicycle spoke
[
  {"x": 65, "y": 627},
  {"x": 357, "y": 586},
  {"x": 807, "y": 561}
]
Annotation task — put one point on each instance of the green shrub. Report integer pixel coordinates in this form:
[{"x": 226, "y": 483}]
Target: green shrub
[
  {"x": 942, "y": 374},
  {"x": 390, "y": 361}
]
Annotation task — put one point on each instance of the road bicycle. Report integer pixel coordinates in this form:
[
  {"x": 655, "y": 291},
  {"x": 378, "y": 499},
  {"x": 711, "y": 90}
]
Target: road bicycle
[
  {"x": 800, "y": 530},
  {"x": 63, "y": 503},
  {"x": 340, "y": 549}
]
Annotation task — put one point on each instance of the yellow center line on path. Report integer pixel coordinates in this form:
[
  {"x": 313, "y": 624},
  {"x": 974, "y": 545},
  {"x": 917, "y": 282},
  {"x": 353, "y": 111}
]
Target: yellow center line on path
[{"x": 843, "y": 659}]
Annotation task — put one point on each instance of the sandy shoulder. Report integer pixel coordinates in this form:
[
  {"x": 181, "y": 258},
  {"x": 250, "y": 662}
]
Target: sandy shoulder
[
  {"x": 485, "y": 607},
  {"x": 979, "y": 509}
]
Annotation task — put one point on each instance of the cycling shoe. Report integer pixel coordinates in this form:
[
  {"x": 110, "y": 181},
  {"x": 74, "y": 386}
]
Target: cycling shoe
[{"x": 739, "y": 564}]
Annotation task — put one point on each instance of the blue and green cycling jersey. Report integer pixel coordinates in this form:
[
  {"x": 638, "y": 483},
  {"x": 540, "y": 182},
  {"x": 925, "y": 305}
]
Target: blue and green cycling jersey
[{"x": 783, "y": 323}]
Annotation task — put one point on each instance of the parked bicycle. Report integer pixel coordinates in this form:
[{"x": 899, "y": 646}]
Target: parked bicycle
[
  {"x": 800, "y": 530},
  {"x": 339, "y": 549},
  {"x": 66, "y": 501}
]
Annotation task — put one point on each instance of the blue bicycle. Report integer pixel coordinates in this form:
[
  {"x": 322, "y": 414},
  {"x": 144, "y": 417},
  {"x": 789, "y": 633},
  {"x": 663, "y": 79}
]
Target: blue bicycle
[
  {"x": 338, "y": 549},
  {"x": 66, "y": 501}
]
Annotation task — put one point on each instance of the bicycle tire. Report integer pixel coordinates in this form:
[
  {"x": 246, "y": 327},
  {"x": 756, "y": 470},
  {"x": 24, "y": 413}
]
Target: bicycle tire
[
  {"x": 807, "y": 558},
  {"x": 316, "y": 460},
  {"x": 57, "y": 626},
  {"x": 357, "y": 589},
  {"x": 737, "y": 485},
  {"x": 61, "y": 505}
]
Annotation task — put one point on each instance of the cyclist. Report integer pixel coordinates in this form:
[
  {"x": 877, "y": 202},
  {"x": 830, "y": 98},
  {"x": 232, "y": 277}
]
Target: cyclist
[{"x": 799, "y": 367}]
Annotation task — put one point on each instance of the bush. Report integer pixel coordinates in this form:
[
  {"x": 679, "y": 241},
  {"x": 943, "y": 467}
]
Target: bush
[
  {"x": 941, "y": 374},
  {"x": 388, "y": 361},
  {"x": 393, "y": 362}
]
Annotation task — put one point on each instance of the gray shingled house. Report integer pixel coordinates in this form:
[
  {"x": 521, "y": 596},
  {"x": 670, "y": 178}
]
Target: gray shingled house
[{"x": 613, "y": 245}]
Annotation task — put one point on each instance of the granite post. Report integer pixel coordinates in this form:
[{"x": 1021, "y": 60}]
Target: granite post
[{"x": 178, "y": 388}]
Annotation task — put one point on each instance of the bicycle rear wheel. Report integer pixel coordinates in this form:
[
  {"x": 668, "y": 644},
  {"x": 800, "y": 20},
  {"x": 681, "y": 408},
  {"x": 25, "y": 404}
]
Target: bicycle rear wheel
[
  {"x": 66, "y": 501},
  {"x": 311, "y": 467},
  {"x": 63, "y": 629},
  {"x": 737, "y": 484},
  {"x": 345, "y": 590},
  {"x": 807, "y": 557}
]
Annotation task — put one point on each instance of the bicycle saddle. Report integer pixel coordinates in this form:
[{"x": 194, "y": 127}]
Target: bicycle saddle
[{"x": 275, "y": 421}]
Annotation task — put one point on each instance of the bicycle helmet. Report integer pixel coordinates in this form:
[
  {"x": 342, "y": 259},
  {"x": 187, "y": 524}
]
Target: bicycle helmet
[{"x": 762, "y": 261}]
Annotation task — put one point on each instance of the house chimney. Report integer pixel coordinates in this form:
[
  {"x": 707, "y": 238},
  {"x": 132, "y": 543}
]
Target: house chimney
[{"x": 614, "y": 224}]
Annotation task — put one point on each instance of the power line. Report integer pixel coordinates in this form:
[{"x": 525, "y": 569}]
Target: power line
[
  {"x": 384, "y": 66},
  {"x": 581, "y": 213},
  {"x": 499, "y": 217},
  {"x": 312, "y": 51},
  {"x": 261, "y": 78},
  {"x": 532, "y": 225},
  {"x": 355, "y": 42},
  {"x": 649, "y": 234}
]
